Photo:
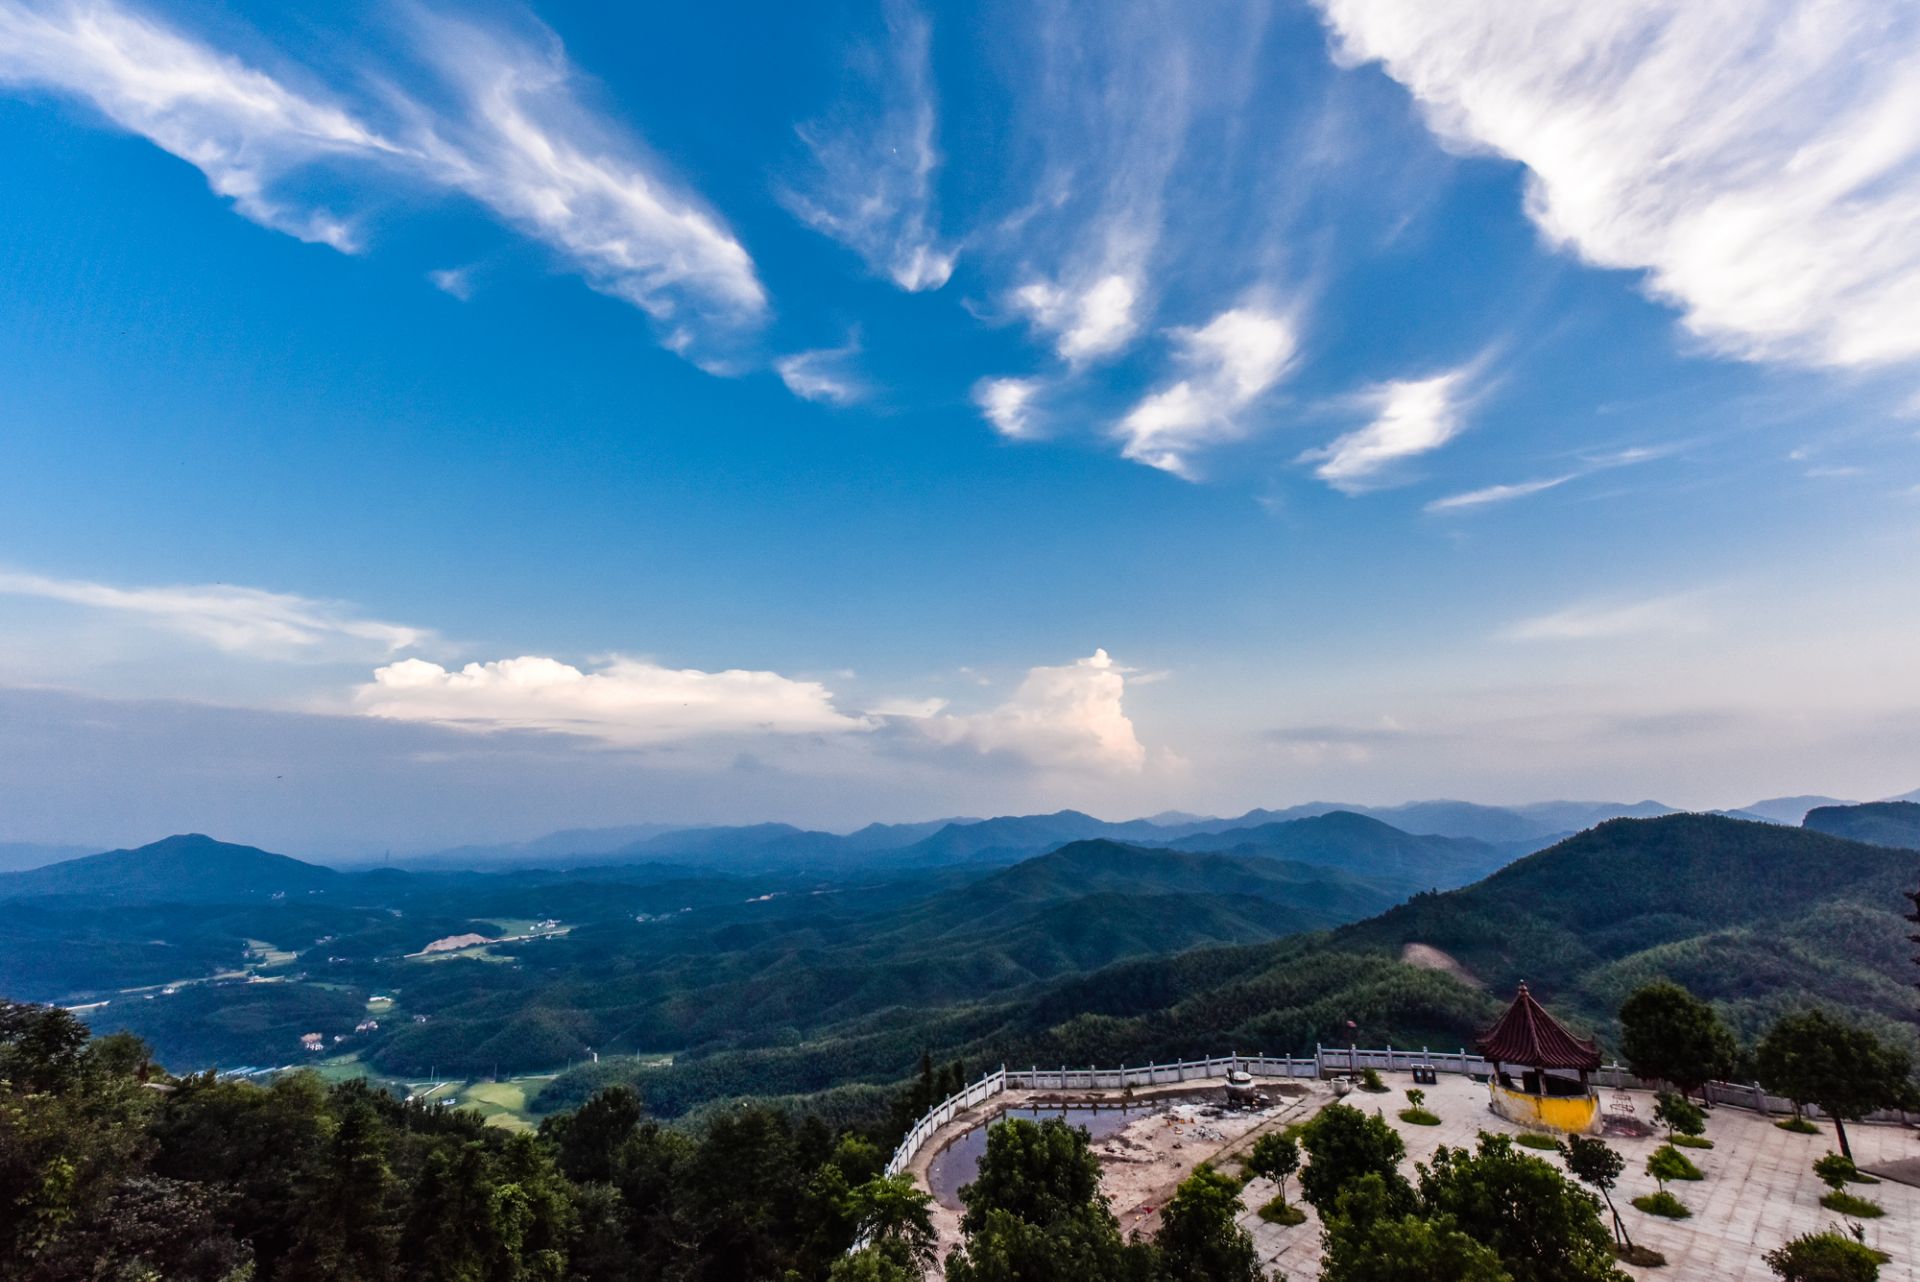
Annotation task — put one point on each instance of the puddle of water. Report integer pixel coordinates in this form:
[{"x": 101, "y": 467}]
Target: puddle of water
[{"x": 957, "y": 1163}]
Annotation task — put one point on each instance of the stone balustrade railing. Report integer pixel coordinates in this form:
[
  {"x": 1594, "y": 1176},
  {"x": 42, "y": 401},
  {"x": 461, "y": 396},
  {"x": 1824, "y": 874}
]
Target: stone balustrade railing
[{"x": 1327, "y": 1061}]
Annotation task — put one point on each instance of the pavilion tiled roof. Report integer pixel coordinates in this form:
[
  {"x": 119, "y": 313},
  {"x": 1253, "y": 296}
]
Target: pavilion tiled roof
[{"x": 1527, "y": 1035}]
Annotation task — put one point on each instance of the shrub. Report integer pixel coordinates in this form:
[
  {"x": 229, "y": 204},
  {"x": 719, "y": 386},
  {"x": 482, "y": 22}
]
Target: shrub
[
  {"x": 1837, "y": 1169},
  {"x": 1669, "y": 1163},
  {"x": 1663, "y": 1204},
  {"x": 1371, "y": 1083},
  {"x": 1419, "y": 1117},
  {"x": 1282, "y": 1212},
  {"x": 1691, "y": 1141},
  {"x": 1824, "y": 1257},
  {"x": 1847, "y": 1204},
  {"x": 1641, "y": 1257},
  {"x": 1415, "y": 1096},
  {"x": 1535, "y": 1140},
  {"x": 1799, "y": 1126}
]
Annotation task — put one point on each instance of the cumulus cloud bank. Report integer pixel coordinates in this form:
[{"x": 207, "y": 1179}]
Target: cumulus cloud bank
[
  {"x": 514, "y": 136},
  {"x": 626, "y": 702},
  {"x": 1760, "y": 161},
  {"x": 1066, "y": 717}
]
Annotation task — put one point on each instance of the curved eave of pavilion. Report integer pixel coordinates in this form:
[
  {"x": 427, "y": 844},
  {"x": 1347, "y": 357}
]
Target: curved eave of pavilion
[{"x": 1527, "y": 1035}]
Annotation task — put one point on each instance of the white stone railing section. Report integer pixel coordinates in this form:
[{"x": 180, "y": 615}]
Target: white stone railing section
[{"x": 1327, "y": 1061}]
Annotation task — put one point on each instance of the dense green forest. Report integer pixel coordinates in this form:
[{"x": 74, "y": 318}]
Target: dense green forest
[
  {"x": 793, "y": 984},
  {"x": 112, "y": 1169},
  {"x": 1759, "y": 918}
]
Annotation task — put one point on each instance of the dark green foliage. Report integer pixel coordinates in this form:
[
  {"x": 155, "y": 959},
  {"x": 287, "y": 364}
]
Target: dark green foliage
[
  {"x": 1369, "y": 1238},
  {"x": 1199, "y": 1239},
  {"x": 110, "y": 1169},
  {"x": 1882, "y": 823},
  {"x": 1542, "y": 1226},
  {"x": 1343, "y": 1144},
  {"x": 1669, "y": 1035},
  {"x": 1824, "y": 1257},
  {"x": 1813, "y": 1058},
  {"x": 1419, "y": 1117},
  {"x": 1035, "y": 1213},
  {"x": 1037, "y": 1172}
]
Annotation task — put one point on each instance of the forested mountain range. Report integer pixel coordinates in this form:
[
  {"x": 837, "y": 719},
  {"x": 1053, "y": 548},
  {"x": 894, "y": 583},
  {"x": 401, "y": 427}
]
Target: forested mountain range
[
  {"x": 1757, "y": 917},
  {"x": 798, "y": 979}
]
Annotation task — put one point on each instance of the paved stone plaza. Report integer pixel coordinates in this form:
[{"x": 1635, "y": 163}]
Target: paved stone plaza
[{"x": 1759, "y": 1189}]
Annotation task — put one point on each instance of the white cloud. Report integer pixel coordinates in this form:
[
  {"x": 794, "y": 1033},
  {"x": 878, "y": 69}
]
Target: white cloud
[
  {"x": 1761, "y": 161},
  {"x": 1094, "y": 319},
  {"x": 517, "y": 139},
  {"x": 527, "y": 148},
  {"x": 876, "y": 158},
  {"x": 240, "y": 127},
  {"x": 1229, "y": 363},
  {"x": 911, "y": 708},
  {"x": 234, "y": 619},
  {"x": 1493, "y": 494},
  {"x": 821, "y": 375},
  {"x": 1659, "y": 616},
  {"x": 457, "y": 281},
  {"x": 1068, "y": 717},
  {"x": 1411, "y": 417},
  {"x": 1007, "y": 404},
  {"x": 626, "y": 702}
]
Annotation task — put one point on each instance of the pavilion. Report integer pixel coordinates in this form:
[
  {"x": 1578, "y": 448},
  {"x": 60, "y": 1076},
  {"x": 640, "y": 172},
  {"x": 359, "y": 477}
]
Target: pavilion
[{"x": 1551, "y": 1091}]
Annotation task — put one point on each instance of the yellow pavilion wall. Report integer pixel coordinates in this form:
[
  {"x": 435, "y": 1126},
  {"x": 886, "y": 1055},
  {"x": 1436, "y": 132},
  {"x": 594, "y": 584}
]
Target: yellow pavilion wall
[{"x": 1571, "y": 1115}]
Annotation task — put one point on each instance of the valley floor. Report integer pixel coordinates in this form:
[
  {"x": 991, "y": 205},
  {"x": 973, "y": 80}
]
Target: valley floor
[{"x": 1759, "y": 1189}]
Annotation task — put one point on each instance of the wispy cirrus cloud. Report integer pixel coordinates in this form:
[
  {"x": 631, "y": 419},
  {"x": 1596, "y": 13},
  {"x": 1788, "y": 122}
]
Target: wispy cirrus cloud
[
  {"x": 823, "y": 374},
  {"x": 1105, "y": 108},
  {"x": 513, "y": 134},
  {"x": 875, "y": 156},
  {"x": 1494, "y": 495},
  {"x": 1227, "y": 364},
  {"x": 1760, "y": 162},
  {"x": 1491, "y": 495},
  {"x": 238, "y": 620},
  {"x": 242, "y": 128},
  {"x": 1675, "y": 615},
  {"x": 1411, "y": 417}
]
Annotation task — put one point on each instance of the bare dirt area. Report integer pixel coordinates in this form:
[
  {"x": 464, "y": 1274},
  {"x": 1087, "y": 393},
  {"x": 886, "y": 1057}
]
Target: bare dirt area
[
  {"x": 1181, "y": 1126},
  {"x": 1427, "y": 957}
]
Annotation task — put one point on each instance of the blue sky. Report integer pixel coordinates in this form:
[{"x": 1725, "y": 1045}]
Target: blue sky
[{"x": 891, "y": 410}]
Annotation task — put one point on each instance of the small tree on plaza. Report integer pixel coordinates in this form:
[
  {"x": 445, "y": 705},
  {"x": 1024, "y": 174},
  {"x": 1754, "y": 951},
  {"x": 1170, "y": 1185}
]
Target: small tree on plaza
[
  {"x": 1813, "y": 1058},
  {"x": 1275, "y": 1156},
  {"x": 1597, "y": 1164},
  {"x": 1679, "y": 1114}
]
